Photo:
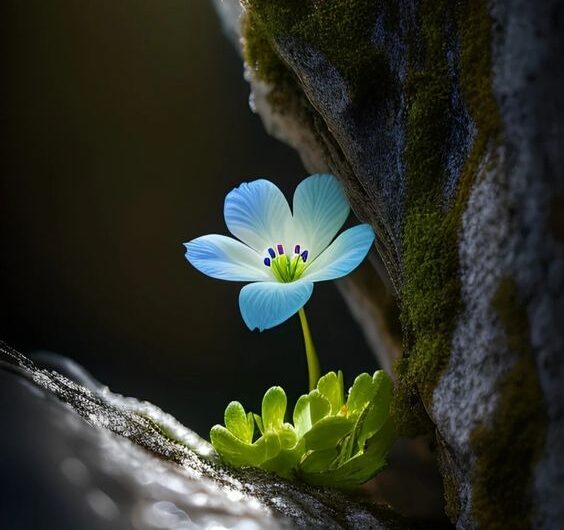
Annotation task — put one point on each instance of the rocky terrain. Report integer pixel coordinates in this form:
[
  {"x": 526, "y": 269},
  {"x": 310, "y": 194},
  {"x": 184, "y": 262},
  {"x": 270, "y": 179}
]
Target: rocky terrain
[{"x": 445, "y": 123}]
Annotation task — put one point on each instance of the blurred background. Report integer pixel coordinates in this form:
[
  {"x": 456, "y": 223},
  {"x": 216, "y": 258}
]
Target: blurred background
[{"x": 124, "y": 125}]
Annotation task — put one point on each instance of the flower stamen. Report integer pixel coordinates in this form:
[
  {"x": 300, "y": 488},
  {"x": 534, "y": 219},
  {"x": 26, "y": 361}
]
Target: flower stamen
[{"x": 286, "y": 269}]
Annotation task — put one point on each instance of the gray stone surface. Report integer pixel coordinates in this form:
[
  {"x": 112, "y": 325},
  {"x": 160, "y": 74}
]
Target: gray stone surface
[
  {"x": 466, "y": 395},
  {"x": 529, "y": 83},
  {"x": 507, "y": 232},
  {"x": 73, "y": 457}
]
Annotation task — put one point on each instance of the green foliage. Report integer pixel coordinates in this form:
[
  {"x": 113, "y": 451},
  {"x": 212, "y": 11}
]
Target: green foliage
[{"x": 333, "y": 441}]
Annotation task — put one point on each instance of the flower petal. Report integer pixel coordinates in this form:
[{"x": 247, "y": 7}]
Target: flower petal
[
  {"x": 342, "y": 256},
  {"x": 267, "y": 304},
  {"x": 226, "y": 259},
  {"x": 320, "y": 209},
  {"x": 258, "y": 214}
]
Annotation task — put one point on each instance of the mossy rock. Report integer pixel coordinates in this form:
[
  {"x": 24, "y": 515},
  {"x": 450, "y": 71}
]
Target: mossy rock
[{"x": 443, "y": 120}]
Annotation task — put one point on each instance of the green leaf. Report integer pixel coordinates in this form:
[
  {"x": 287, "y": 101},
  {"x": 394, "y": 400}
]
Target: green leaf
[
  {"x": 234, "y": 451},
  {"x": 273, "y": 408},
  {"x": 329, "y": 444},
  {"x": 383, "y": 440},
  {"x": 347, "y": 447},
  {"x": 251, "y": 425},
  {"x": 301, "y": 416},
  {"x": 331, "y": 387},
  {"x": 285, "y": 461},
  {"x": 309, "y": 409},
  {"x": 327, "y": 433},
  {"x": 287, "y": 435},
  {"x": 237, "y": 423},
  {"x": 358, "y": 469},
  {"x": 258, "y": 421},
  {"x": 365, "y": 465},
  {"x": 354, "y": 472},
  {"x": 361, "y": 394},
  {"x": 270, "y": 444},
  {"x": 319, "y": 406},
  {"x": 378, "y": 410},
  {"x": 317, "y": 461}
]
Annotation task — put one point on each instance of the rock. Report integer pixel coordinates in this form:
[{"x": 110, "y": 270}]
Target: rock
[
  {"x": 91, "y": 459},
  {"x": 445, "y": 123}
]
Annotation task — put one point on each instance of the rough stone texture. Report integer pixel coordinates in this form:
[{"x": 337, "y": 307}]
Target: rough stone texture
[
  {"x": 466, "y": 394},
  {"x": 529, "y": 78},
  {"x": 105, "y": 462},
  {"x": 483, "y": 85}
]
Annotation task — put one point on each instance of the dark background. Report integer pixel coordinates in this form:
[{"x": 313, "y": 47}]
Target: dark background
[{"x": 124, "y": 125}]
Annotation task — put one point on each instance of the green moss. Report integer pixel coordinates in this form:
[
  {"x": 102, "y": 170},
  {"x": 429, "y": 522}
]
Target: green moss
[
  {"x": 431, "y": 287},
  {"x": 430, "y": 290},
  {"x": 507, "y": 449},
  {"x": 451, "y": 495},
  {"x": 341, "y": 30},
  {"x": 261, "y": 57},
  {"x": 475, "y": 73}
]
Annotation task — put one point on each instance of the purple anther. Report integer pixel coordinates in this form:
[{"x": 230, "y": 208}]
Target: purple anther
[
  {"x": 272, "y": 253},
  {"x": 280, "y": 249},
  {"x": 304, "y": 255},
  {"x": 297, "y": 249},
  {"x": 267, "y": 262}
]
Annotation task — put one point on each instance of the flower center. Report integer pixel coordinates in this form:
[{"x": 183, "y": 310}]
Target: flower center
[{"x": 284, "y": 268}]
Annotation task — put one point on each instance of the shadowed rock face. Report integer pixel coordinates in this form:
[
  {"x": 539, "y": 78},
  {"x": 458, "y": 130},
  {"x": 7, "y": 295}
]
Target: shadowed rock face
[
  {"x": 445, "y": 123},
  {"x": 79, "y": 456}
]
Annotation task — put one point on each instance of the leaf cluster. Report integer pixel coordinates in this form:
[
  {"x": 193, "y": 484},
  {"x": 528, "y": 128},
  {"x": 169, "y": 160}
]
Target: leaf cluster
[{"x": 332, "y": 441}]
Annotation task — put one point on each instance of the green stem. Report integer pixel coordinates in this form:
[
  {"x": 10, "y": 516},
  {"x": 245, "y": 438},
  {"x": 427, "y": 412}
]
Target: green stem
[{"x": 312, "y": 361}]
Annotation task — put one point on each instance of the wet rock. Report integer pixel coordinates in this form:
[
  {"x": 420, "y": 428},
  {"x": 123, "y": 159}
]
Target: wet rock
[{"x": 91, "y": 459}]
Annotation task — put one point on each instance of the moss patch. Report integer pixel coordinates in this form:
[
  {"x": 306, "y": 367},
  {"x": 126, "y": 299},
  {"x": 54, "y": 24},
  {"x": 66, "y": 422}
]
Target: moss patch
[
  {"x": 341, "y": 30},
  {"x": 431, "y": 286},
  {"x": 474, "y": 22},
  {"x": 285, "y": 95},
  {"x": 507, "y": 450},
  {"x": 451, "y": 495},
  {"x": 429, "y": 248}
]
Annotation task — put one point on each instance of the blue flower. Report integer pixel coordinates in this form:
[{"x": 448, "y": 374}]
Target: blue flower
[{"x": 280, "y": 252}]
